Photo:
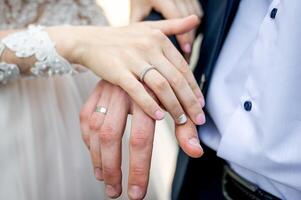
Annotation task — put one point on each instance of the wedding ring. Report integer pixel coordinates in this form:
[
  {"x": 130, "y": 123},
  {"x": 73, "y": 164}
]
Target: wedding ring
[
  {"x": 101, "y": 109},
  {"x": 142, "y": 75},
  {"x": 182, "y": 119}
]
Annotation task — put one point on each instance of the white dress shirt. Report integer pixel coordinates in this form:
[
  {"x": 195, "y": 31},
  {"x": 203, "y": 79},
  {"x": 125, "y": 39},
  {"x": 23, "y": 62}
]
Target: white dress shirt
[{"x": 254, "y": 97}]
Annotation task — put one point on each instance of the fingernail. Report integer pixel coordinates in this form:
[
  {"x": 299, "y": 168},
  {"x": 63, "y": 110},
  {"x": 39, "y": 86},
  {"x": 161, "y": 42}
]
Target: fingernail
[
  {"x": 182, "y": 119},
  {"x": 195, "y": 142},
  {"x": 159, "y": 114},
  {"x": 200, "y": 119},
  {"x": 135, "y": 192},
  {"x": 98, "y": 174},
  {"x": 187, "y": 48},
  {"x": 111, "y": 191},
  {"x": 202, "y": 102}
]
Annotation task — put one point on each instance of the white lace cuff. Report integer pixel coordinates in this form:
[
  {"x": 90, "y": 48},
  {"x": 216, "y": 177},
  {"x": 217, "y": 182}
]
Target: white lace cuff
[{"x": 33, "y": 42}]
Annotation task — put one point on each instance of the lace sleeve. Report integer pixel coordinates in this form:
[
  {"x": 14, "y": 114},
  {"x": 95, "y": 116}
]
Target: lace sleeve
[
  {"x": 33, "y": 42},
  {"x": 18, "y": 14}
]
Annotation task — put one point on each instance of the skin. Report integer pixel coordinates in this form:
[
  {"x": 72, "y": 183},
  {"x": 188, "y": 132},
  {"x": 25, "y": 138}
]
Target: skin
[
  {"x": 119, "y": 55},
  {"x": 170, "y": 9},
  {"x": 103, "y": 135}
]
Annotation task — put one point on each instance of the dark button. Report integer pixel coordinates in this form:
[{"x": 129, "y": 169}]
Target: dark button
[
  {"x": 274, "y": 13},
  {"x": 248, "y": 105}
]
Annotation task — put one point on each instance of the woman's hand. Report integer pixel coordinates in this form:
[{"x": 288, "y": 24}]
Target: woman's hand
[
  {"x": 170, "y": 9},
  {"x": 121, "y": 55}
]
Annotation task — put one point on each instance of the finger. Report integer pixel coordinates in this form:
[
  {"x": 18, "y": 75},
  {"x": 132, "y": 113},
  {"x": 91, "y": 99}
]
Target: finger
[
  {"x": 141, "y": 144},
  {"x": 87, "y": 111},
  {"x": 95, "y": 124},
  {"x": 192, "y": 11},
  {"x": 97, "y": 118},
  {"x": 168, "y": 9},
  {"x": 187, "y": 138},
  {"x": 110, "y": 140},
  {"x": 175, "y": 26},
  {"x": 179, "y": 86},
  {"x": 194, "y": 8},
  {"x": 198, "y": 9},
  {"x": 96, "y": 156},
  {"x": 137, "y": 92},
  {"x": 136, "y": 15},
  {"x": 185, "y": 40},
  {"x": 189, "y": 7},
  {"x": 180, "y": 63},
  {"x": 139, "y": 10},
  {"x": 160, "y": 86},
  {"x": 185, "y": 43}
]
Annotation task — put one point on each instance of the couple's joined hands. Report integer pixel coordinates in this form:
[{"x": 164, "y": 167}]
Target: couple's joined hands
[
  {"x": 119, "y": 55},
  {"x": 103, "y": 137},
  {"x": 172, "y": 86}
]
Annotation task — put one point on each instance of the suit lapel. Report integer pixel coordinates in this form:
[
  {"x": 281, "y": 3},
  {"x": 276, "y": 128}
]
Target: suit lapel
[
  {"x": 218, "y": 18},
  {"x": 217, "y": 22}
]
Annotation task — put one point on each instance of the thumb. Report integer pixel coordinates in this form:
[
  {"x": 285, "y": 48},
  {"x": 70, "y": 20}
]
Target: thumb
[
  {"x": 175, "y": 26},
  {"x": 136, "y": 15},
  {"x": 187, "y": 138},
  {"x": 138, "y": 12}
]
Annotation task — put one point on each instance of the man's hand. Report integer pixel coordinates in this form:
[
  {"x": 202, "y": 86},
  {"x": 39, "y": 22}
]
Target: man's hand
[
  {"x": 103, "y": 133},
  {"x": 169, "y": 9}
]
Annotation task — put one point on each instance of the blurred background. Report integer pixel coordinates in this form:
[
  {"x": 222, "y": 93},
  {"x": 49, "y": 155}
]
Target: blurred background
[{"x": 117, "y": 11}]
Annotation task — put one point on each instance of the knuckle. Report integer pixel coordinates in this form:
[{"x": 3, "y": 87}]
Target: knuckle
[
  {"x": 158, "y": 35},
  {"x": 139, "y": 139},
  {"x": 161, "y": 85},
  {"x": 196, "y": 89},
  {"x": 139, "y": 171},
  {"x": 109, "y": 128},
  {"x": 144, "y": 44},
  {"x": 178, "y": 80},
  {"x": 178, "y": 111},
  {"x": 183, "y": 67},
  {"x": 107, "y": 134},
  {"x": 192, "y": 102},
  {"x": 129, "y": 85},
  {"x": 94, "y": 123},
  {"x": 111, "y": 171}
]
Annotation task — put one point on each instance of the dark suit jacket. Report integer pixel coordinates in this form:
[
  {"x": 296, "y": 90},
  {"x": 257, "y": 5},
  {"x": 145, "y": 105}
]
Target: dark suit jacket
[
  {"x": 219, "y": 15},
  {"x": 215, "y": 25}
]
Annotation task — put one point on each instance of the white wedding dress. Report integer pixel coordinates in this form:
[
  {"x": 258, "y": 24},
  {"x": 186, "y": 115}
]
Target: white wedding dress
[{"x": 42, "y": 156}]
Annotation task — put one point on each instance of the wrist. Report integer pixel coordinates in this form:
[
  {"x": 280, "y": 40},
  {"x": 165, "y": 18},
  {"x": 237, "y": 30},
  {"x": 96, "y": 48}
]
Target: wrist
[{"x": 67, "y": 42}]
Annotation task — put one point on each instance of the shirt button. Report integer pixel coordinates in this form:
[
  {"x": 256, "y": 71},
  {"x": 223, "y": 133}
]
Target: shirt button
[
  {"x": 248, "y": 105},
  {"x": 274, "y": 13}
]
